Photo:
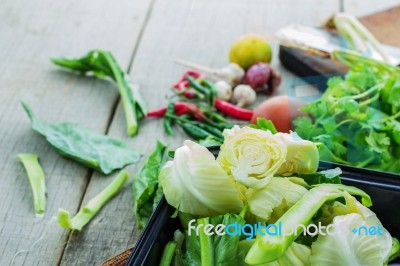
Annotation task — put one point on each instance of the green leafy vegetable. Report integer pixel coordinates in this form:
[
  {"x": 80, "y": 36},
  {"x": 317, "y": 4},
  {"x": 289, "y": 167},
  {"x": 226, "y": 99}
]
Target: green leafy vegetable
[
  {"x": 168, "y": 254},
  {"x": 296, "y": 254},
  {"x": 94, "y": 150},
  {"x": 269, "y": 248},
  {"x": 213, "y": 249},
  {"x": 87, "y": 212},
  {"x": 348, "y": 248},
  {"x": 102, "y": 64},
  {"x": 395, "y": 251},
  {"x": 331, "y": 176},
  {"x": 279, "y": 192},
  {"x": 265, "y": 124},
  {"x": 356, "y": 121},
  {"x": 302, "y": 156},
  {"x": 146, "y": 191},
  {"x": 195, "y": 183},
  {"x": 37, "y": 180}
]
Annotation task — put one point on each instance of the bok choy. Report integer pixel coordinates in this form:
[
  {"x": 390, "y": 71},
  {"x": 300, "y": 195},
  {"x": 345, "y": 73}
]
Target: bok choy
[{"x": 102, "y": 64}]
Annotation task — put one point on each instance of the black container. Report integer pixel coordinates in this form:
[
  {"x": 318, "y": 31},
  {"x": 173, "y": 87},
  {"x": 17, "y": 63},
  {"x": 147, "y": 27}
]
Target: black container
[{"x": 383, "y": 189}]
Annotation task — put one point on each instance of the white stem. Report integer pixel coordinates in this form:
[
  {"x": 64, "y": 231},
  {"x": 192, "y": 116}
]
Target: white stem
[
  {"x": 342, "y": 19},
  {"x": 240, "y": 104},
  {"x": 195, "y": 66}
]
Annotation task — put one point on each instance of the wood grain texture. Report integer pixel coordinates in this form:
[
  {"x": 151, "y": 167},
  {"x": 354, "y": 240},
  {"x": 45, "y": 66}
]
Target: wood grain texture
[
  {"x": 367, "y": 7},
  {"x": 199, "y": 31},
  {"x": 32, "y": 32}
]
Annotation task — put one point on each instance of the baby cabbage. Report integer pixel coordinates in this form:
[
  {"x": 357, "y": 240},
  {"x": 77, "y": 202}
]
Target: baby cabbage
[
  {"x": 302, "y": 156},
  {"x": 195, "y": 183},
  {"x": 252, "y": 156}
]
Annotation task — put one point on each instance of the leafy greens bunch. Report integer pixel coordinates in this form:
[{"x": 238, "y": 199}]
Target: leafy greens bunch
[
  {"x": 266, "y": 178},
  {"x": 357, "y": 119}
]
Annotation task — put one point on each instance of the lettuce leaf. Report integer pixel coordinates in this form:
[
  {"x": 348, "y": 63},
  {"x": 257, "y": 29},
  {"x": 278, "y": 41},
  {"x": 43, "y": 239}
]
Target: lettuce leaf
[
  {"x": 262, "y": 202},
  {"x": 195, "y": 183},
  {"x": 348, "y": 248}
]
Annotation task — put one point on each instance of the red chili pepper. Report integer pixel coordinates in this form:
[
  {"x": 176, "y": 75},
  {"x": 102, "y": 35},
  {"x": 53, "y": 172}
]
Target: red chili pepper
[
  {"x": 157, "y": 113},
  {"x": 180, "y": 108},
  {"x": 183, "y": 83},
  {"x": 189, "y": 108},
  {"x": 181, "y": 87},
  {"x": 233, "y": 110},
  {"x": 193, "y": 73}
]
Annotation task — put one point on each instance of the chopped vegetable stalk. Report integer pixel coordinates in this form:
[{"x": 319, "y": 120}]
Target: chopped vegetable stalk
[
  {"x": 351, "y": 58},
  {"x": 206, "y": 245},
  {"x": 145, "y": 184},
  {"x": 356, "y": 33},
  {"x": 37, "y": 180},
  {"x": 269, "y": 248},
  {"x": 103, "y": 64},
  {"x": 168, "y": 254},
  {"x": 94, "y": 150},
  {"x": 87, "y": 212},
  {"x": 295, "y": 255}
]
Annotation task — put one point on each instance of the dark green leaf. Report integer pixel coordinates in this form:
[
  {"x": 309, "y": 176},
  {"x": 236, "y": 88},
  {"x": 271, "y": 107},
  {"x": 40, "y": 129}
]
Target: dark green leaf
[
  {"x": 224, "y": 248},
  {"x": 331, "y": 176},
  {"x": 94, "y": 150},
  {"x": 146, "y": 192},
  {"x": 210, "y": 142}
]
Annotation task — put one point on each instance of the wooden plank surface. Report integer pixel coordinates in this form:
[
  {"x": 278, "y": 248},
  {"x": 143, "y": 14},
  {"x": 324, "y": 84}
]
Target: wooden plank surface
[
  {"x": 199, "y": 31},
  {"x": 30, "y": 33},
  {"x": 367, "y": 7}
]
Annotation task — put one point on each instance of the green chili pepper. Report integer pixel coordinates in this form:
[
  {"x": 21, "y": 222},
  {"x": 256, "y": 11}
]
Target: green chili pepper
[
  {"x": 215, "y": 116},
  {"x": 168, "y": 120},
  {"x": 199, "y": 88},
  {"x": 195, "y": 132},
  {"x": 212, "y": 90},
  {"x": 213, "y": 130}
]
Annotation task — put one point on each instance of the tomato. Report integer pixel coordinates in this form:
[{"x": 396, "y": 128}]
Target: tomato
[{"x": 281, "y": 110}]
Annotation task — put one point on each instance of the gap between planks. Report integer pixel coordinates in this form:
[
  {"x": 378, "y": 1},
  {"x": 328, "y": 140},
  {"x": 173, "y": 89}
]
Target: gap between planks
[{"x": 90, "y": 173}]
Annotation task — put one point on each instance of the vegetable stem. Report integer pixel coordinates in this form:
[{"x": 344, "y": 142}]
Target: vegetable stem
[
  {"x": 102, "y": 64},
  {"x": 130, "y": 115},
  {"x": 168, "y": 254},
  {"x": 357, "y": 33},
  {"x": 86, "y": 213},
  {"x": 367, "y": 92},
  {"x": 343, "y": 122},
  {"x": 36, "y": 179},
  {"x": 206, "y": 245},
  {"x": 370, "y": 100},
  {"x": 269, "y": 248}
]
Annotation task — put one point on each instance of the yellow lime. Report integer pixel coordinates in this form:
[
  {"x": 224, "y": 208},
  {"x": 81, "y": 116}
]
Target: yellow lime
[{"x": 250, "y": 49}]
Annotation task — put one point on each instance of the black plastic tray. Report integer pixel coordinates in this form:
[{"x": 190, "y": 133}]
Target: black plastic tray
[{"x": 384, "y": 191}]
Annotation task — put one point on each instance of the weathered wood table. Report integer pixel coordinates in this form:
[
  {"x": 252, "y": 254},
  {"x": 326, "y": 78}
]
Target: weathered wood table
[{"x": 145, "y": 36}]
